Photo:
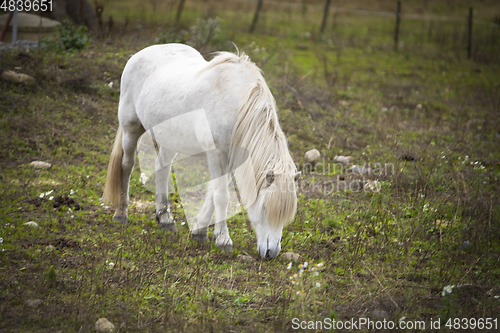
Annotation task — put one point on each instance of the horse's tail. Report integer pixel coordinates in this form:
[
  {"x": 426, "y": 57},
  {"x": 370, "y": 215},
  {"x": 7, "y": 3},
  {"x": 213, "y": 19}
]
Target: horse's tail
[{"x": 113, "y": 187}]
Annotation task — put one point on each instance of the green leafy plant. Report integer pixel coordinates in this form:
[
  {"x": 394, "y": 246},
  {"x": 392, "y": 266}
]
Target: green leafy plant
[{"x": 70, "y": 38}]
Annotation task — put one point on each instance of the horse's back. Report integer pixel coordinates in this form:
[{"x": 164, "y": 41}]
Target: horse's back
[
  {"x": 158, "y": 58},
  {"x": 164, "y": 82}
]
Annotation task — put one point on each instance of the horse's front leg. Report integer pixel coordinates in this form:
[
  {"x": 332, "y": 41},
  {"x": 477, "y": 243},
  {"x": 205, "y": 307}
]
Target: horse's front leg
[
  {"x": 162, "y": 174},
  {"x": 204, "y": 217},
  {"x": 221, "y": 202}
]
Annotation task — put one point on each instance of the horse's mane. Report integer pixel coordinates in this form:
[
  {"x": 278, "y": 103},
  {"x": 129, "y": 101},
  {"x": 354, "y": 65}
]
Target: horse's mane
[{"x": 256, "y": 129}]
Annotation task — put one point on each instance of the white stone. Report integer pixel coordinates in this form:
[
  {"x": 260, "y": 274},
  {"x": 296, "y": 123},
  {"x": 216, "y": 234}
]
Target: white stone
[
  {"x": 360, "y": 170},
  {"x": 245, "y": 258},
  {"x": 290, "y": 256},
  {"x": 312, "y": 156},
  {"x": 104, "y": 326},
  {"x": 40, "y": 165},
  {"x": 17, "y": 77},
  {"x": 345, "y": 160},
  {"x": 33, "y": 303}
]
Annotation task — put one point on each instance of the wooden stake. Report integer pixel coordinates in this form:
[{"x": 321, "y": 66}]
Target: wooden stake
[
  {"x": 325, "y": 15},
  {"x": 179, "y": 11},
  {"x": 256, "y": 16},
  {"x": 396, "y": 32},
  {"x": 469, "y": 42}
]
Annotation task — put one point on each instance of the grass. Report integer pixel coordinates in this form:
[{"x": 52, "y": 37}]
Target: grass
[{"x": 431, "y": 117}]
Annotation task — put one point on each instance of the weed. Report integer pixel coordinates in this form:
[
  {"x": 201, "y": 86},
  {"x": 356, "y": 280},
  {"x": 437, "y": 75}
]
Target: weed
[{"x": 70, "y": 38}]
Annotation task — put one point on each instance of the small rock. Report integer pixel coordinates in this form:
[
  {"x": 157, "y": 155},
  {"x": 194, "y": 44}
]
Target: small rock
[
  {"x": 360, "y": 170},
  {"x": 290, "y": 256},
  {"x": 345, "y": 160},
  {"x": 31, "y": 224},
  {"x": 312, "y": 156},
  {"x": 464, "y": 245},
  {"x": 34, "y": 303},
  {"x": 104, "y": 326},
  {"x": 418, "y": 107},
  {"x": 40, "y": 165},
  {"x": 245, "y": 258},
  {"x": 17, "y": 77},
  {"x": 379, "y": 314}
]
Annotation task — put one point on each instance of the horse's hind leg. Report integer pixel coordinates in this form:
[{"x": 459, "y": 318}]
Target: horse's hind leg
[
  {"x": 131, "y": 133},
  {"x": 162, "y": 174}
]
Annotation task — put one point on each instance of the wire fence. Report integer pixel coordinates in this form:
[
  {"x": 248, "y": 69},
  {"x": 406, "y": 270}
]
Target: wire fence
[{"x": 457, "y": 36}]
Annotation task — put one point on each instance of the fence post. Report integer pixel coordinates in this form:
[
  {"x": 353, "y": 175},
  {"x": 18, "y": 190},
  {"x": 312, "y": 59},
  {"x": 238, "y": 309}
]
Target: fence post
[
  {"x": 256, "y": 16},
  {"x": 14, "y": 25},
  {"x": 179, "y": 11},
  {"x": 396, "y": 32},
  {"x": 325, "y": 15},
  {"x": 469, "y": 42}
]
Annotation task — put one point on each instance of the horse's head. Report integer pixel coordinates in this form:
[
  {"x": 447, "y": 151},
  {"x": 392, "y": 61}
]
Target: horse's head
[{"x": 274, "y": 208}]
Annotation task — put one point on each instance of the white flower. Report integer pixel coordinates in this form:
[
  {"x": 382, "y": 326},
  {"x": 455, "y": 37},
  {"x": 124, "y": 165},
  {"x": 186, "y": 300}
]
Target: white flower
[
  {"x": 42, "y": 195},
  {"x": 111, "y": 264},
  {"x": 143, "y": 178},
  {"x": 426, "y": 207},
  {"x": 318, "y": 284},
  {"x": 402, "y": 318},
  {"x": 110, "y": 84},
  {"x": 447, "y": 290},
  {"x": 71, "y": 192},
  {"x": 183, "y": 223},
  {"x": 305, "y": 264},
  {"x": 51, "y": 197},
  {"x": 316, "y": 274},
  {"x": 319, "y": 265},
  {"x": 1, "y": 240},
  {"x": 289, "y": 266}
]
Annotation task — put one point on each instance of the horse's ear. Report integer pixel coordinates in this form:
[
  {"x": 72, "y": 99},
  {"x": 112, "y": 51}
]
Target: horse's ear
[
  {"x": 297, "y": 176},
  {"x": 270, "y": 177}
]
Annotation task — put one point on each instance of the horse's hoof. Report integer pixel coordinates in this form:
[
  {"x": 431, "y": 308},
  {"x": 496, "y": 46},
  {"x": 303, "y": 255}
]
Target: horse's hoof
[
  {"x": 200, "y": 237},
  {"x": 224, "y": 243},
  {"x": 169, "y": 226},
  {"x": 226, "y": 248},
  {"x": 121, "y": 219}
]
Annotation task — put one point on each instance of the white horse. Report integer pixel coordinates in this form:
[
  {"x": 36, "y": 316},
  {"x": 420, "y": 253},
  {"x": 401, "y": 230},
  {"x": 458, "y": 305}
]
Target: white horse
[{"x": 167, "y": 82}]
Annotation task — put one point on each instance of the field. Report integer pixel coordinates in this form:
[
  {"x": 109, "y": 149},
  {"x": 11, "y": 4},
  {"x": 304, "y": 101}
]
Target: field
[{"x": 384, "y": 246}]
